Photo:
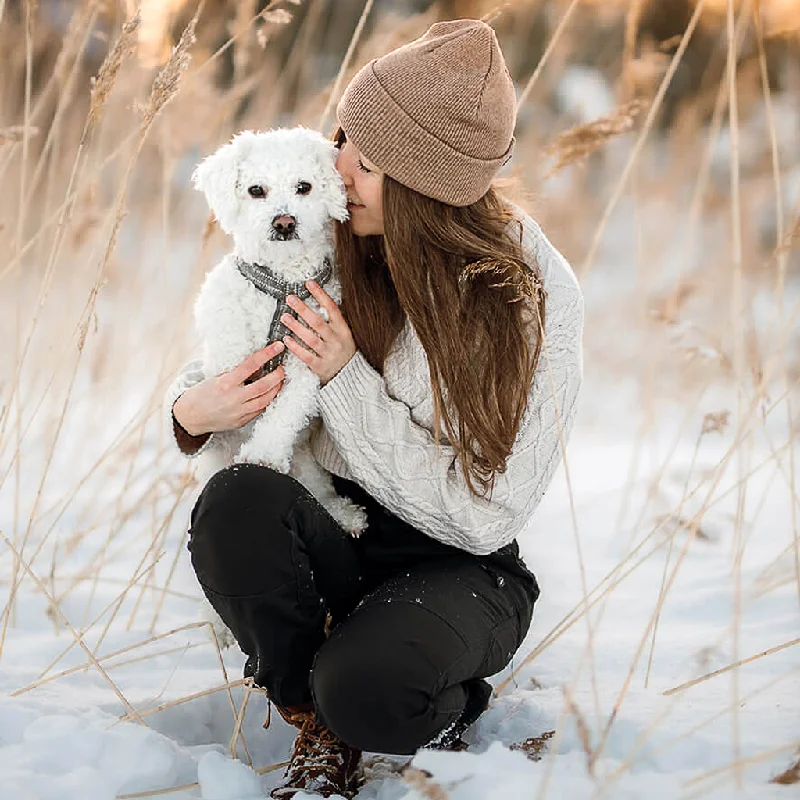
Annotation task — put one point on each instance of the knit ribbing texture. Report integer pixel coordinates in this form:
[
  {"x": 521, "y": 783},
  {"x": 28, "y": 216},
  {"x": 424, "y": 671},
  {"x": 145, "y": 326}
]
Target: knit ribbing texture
[{"x": 437, "y": 114}]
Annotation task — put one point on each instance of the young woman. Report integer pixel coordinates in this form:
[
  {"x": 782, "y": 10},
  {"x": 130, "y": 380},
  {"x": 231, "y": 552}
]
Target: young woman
[{"x": 449, "y": 380}]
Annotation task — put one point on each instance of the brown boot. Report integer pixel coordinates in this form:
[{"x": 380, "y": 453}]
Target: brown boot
[{"x": 321, "y": 762}]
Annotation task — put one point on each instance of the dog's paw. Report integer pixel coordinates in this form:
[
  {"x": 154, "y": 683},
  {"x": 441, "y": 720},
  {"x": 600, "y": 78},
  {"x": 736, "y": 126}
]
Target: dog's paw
[
  {"x": 351, "y": 517},
  {"x": 255, "y": 455}
]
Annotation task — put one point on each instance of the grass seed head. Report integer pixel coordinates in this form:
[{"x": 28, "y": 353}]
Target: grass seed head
[
  {"x": 578, "y": 143},
  {"x": 107, "y": 76},
  {"x": 716, "y": 422},
  {"x": 509, "y": 273},
  {"x": 167, "y": 82}
]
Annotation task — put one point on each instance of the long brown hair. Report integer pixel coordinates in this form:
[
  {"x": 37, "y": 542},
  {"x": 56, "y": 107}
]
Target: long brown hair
[{"x": 476, "y": 306}]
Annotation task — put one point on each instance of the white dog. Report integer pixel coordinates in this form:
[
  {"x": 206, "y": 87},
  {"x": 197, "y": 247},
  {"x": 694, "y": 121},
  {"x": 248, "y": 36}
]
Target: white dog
[{"x": 276, "y": 194}]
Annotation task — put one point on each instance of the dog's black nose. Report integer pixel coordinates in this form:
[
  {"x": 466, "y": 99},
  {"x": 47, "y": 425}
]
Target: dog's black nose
[{"x": 284, "y": 224}]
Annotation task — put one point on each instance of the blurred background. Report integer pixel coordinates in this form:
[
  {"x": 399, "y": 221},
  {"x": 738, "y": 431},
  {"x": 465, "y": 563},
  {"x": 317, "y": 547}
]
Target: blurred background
[
  {"x": 654, "y": 205},
  {"x": 657, "y": 145}
]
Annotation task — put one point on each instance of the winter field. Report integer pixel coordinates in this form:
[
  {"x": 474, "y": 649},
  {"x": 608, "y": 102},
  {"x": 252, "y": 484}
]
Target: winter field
[{"x": 663, "y": 660}]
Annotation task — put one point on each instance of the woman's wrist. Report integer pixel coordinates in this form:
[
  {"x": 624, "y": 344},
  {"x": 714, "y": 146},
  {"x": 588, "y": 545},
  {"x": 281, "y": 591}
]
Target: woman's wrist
[
  {"x": 185, "y": 426},
  {"x": 338, "y": 371},
  {"x": 187, "y": 443}
]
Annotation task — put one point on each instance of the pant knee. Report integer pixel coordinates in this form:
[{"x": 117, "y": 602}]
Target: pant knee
[
  {"x": 239, "y": 499},
  {"x": 372, "y": 701},
  {"x": 244, "y": 486},
  {"x": 236, "y": 531}
]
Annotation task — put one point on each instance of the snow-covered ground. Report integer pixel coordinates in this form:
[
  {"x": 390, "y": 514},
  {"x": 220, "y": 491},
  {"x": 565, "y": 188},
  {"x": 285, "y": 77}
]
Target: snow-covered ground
[{"x": 598, "y": 676}]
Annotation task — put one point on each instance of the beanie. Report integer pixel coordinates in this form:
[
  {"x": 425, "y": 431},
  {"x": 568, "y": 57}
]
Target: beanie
[{"x": 437, "y": 114}]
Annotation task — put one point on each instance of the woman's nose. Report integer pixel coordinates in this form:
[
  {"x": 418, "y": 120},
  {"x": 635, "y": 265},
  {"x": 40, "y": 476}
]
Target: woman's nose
[
  {"x": 343, "y": 166},
  {"x": 343, "y": 171}
]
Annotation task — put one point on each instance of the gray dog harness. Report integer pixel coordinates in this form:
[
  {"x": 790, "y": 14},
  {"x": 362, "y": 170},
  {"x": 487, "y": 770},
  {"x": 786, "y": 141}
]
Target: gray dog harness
[{"x": 265, "y": 280}]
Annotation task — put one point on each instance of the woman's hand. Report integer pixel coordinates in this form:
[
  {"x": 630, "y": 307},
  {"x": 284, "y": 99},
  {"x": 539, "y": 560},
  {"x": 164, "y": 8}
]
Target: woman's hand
[
  {"x": 328, "y": 345},
  {"x": 226, "y": 402}
]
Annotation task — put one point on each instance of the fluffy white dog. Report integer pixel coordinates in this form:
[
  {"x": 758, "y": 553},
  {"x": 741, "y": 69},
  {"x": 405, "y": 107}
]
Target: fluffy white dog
[{"x": 277, "y": 194}]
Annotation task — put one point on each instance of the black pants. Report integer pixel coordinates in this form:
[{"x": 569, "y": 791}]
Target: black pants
[{"x": 414, "y": 622}]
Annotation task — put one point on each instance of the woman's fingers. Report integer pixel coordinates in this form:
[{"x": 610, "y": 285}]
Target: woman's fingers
[
  {"x": 238, "y": 375},
  {"x": 311, "y": 318},
  {"x": 307, "y": 336},
  {"x": 252, "y": 408},
  {"x": 306, "y": 355},
  {"x": 326, "y": 302},
  {"x": 263, "y": 385}
]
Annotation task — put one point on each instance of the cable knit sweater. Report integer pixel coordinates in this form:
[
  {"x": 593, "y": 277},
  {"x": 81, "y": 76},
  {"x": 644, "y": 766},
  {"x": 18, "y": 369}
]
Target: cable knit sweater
[{"x": 376, "y": 429}]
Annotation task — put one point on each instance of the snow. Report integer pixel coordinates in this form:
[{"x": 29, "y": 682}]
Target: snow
[
  {"x": 225, "y": 779},
  {"x": 65, "y": 739},
  {"x": 584, "y": 94}
]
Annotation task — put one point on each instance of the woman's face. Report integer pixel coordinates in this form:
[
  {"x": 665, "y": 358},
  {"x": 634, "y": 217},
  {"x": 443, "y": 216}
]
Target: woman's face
[{"x": 364, "y": 184}]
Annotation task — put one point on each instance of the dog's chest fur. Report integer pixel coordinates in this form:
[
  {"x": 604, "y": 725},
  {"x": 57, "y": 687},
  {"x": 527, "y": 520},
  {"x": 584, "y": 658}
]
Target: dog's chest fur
[
  {"x": 257, "y": 308},
  {"x": 234, "y": 316}
]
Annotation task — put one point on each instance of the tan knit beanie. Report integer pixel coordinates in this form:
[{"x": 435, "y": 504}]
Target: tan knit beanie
[{"x": 437, "y": 114}]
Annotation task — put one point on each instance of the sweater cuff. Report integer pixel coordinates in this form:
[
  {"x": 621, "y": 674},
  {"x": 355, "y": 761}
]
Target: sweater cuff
[
  {"x": 189, "y": 445},
  {"x": 349, "y": 385}
]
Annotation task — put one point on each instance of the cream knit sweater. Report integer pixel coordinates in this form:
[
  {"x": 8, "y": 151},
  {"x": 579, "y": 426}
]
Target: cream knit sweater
[{"x": 376, "y": 430}]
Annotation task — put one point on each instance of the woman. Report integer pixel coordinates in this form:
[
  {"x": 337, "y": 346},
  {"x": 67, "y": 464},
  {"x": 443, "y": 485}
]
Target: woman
[{"x": 447, "y": 395}]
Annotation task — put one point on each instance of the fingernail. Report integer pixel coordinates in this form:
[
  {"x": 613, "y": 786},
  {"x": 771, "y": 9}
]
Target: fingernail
[
  {"x": 279, "y": 346},
  {"x": 291, "y": 299},
  {"x": 311, "y": 284}
]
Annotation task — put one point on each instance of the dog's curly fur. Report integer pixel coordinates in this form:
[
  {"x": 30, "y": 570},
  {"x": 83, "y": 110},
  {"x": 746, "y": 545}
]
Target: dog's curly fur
[{"x": 234, "y": 317}]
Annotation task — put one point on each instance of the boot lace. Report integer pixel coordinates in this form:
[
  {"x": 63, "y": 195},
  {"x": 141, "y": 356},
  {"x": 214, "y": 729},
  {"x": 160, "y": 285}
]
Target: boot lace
[{"x": 318, "y": 752}]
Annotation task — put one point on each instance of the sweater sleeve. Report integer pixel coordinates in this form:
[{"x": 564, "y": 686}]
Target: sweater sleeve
[
  {"x": 190, "y": 375},
  {"x": 397, "y": 461}
]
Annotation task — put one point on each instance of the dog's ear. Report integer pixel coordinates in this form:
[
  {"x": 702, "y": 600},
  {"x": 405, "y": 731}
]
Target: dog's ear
[{"x": 218, "y": 176}]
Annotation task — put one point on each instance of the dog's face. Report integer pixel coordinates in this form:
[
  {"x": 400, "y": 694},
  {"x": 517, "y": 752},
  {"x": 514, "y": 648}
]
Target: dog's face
[{"x": 269, "y": 189}]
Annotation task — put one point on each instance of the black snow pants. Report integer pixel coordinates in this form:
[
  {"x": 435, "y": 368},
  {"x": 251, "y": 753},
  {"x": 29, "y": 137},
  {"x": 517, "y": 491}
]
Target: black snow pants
[{"x": 415, "y": 624}]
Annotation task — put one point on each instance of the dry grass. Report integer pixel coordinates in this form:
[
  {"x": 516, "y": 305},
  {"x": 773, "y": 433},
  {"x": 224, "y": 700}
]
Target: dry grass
[
  {"x": 107, "y": 76},
  {"x": 102, "y": 244},
  {"x": 16, "y": 133},
  {"x": 577, "y": 144},
  {"x": 790, "y": 775},
  {"x": 535, "y": 747},
  {"x": 507, "y": 273},
  {"x": 791, "y": 239},
  {"x": 423, "y": 782}
]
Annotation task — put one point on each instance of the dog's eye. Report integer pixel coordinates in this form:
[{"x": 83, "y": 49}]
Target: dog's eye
[
  {"x": 256, "y": 191},
  {"x": 303, "y": 187}
]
